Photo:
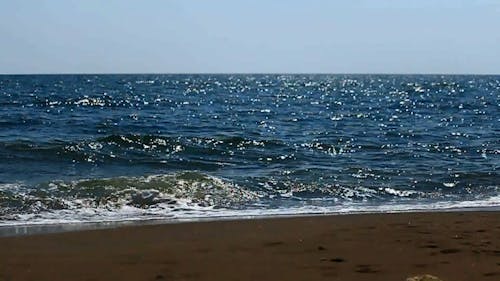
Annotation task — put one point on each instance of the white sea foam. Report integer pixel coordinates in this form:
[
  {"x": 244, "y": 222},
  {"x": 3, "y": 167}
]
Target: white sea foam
[
  {"x": 186, "y": 211},
  {"x": 192, "y": 196}
]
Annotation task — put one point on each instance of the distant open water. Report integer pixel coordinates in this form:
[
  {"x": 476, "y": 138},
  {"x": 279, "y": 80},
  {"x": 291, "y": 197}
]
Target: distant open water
[{"x": 86, "y": 148}]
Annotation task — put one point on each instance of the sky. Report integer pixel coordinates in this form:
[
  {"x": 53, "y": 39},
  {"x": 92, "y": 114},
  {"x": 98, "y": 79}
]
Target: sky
[{"x": 258, "y": 36}]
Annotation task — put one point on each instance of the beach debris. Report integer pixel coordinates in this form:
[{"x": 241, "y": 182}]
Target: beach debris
[
  {"x": 425, "y": 277},
  {"x": 321, "y": 248}
]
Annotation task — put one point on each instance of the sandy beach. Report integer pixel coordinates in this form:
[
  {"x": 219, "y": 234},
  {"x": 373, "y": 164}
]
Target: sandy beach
[{"x": 454, "y": 246}]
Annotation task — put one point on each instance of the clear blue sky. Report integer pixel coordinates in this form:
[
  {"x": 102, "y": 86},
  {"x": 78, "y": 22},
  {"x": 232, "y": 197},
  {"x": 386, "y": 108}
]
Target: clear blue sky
[{"x": 172, "y": 36}]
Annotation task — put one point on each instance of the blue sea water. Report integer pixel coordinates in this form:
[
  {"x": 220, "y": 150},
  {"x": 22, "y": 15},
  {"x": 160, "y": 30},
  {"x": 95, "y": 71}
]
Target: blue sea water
[{"x": 86, "y": 148}]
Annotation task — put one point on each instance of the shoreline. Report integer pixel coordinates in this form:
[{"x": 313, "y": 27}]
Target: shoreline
[
  {"x": 60, "y": 227},
  {"x": 453, "y": 245}
]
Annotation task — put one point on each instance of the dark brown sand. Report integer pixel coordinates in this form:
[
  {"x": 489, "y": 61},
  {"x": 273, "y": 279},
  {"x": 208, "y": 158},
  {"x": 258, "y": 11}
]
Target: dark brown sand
[{"x": 453, "y": 246}]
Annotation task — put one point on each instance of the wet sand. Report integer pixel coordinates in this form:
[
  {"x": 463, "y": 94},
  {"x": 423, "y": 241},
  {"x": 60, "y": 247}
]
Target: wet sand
[{"x": 453, "y": 246}]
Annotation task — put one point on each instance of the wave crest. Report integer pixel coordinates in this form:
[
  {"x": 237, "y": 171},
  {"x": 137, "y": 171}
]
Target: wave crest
[{"x": 156, "y": 193}]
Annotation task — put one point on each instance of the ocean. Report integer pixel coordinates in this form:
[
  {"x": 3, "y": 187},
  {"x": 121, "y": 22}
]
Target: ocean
[{"x": 94, "y": 148}]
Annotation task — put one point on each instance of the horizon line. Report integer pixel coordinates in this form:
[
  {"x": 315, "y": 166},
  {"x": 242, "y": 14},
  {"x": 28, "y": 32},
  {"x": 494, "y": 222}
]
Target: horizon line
[{"x": 250, "y": 73}]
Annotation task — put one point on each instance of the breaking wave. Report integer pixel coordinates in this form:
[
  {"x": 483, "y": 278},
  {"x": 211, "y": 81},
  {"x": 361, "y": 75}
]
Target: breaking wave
[{"x": 120, "y": 198}]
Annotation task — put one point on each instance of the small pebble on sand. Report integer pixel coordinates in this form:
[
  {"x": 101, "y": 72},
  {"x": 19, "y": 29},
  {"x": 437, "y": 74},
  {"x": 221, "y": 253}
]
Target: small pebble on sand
[{"x": 425, "y": 277}]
